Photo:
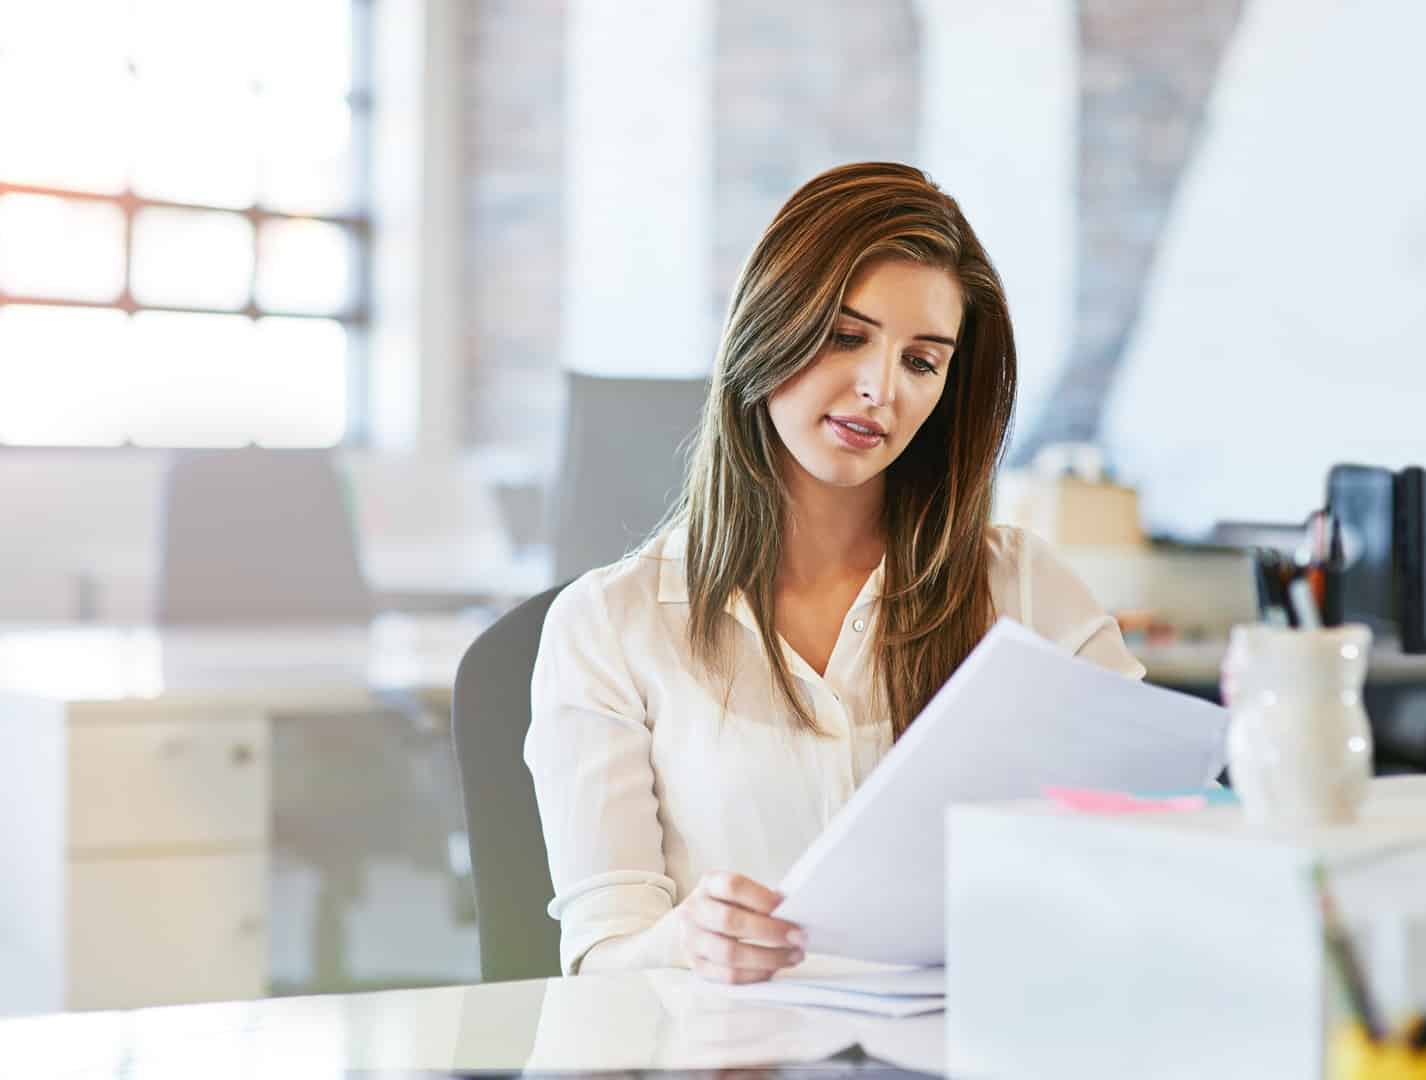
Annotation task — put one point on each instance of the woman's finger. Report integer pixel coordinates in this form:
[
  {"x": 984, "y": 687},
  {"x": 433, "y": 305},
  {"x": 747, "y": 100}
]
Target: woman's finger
[
  {"x": 743, "y": 891},
  {"x": 731, "y": 953},
  {"x": 728, "y": 919}
]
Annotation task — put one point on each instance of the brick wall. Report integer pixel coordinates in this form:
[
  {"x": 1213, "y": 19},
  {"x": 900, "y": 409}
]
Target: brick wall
[
  {"x": 800, "y": 86},
  {"x": 1146, "y": 71},
  {"x": 512, "y": 105}
]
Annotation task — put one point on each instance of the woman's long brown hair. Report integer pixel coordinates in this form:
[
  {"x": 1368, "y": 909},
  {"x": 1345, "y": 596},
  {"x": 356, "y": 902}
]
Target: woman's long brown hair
[{"x": 936, "y": 602}]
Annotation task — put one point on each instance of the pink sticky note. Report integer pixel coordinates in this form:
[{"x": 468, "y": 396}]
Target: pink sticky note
[{"x": 1089, "y": 801}]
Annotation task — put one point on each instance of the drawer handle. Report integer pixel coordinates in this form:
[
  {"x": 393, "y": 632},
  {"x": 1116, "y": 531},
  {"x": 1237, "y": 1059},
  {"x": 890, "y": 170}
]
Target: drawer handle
[
  {"x": 249, "y": 926},
  {"x": 241, "y": 754}
]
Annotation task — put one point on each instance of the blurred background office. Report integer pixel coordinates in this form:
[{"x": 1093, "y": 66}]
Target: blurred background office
[{"x": 475, "y": 253}]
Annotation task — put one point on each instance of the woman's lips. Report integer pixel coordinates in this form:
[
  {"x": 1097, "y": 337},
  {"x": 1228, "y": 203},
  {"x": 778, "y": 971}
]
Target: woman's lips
[{"x": 857, "y": 440}]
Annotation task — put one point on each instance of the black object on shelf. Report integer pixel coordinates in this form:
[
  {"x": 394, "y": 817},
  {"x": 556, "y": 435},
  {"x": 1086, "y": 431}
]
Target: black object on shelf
[
  {"x": 1410, "y": 535},
  {"x": 1360, "y": 498}
]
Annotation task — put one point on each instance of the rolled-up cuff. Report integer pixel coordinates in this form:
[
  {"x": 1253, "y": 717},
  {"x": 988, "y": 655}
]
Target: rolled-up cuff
[{"x": 606, "y": 906}]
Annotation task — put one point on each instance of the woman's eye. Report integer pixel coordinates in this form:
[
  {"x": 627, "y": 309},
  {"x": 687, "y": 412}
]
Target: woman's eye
[
  {"x": 921, "y": 365},
  {"x": 847, "y": 341}
]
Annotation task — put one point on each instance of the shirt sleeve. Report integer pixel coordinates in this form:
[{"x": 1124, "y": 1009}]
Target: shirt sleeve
[
  {"x": 1058, "y": 606},
  {"x": 588, "y": 750}
]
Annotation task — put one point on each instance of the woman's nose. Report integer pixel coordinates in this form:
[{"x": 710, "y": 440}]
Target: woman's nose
[{"x": 876, "y": 377}]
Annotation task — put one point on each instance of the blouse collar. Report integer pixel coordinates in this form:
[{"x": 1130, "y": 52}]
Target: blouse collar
[{"x": 673, "y": 585}]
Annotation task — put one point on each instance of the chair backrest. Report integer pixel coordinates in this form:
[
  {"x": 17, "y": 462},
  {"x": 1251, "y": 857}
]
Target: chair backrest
[
  {"x": 257, "y": 536},
  {"x": 490, "y": 714},
  {"x": 621, "y": 466}
]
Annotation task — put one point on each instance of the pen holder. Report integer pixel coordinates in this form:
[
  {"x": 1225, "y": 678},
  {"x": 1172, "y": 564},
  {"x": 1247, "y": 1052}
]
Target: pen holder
[
  {"x": 1353, "y": 1055},
  {"x": 1299, "y": 744}
]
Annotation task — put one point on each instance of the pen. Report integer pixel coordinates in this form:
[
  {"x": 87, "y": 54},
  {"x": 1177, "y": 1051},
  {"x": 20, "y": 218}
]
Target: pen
[
  {"x": 1416, "y": 1033},
  {"x": 1272, "y": 602},
  {"x": 1304, "y": 605},
  {"x": 1260, "y": 582},
  {"x": 1332, "y": 584},
  {"x": 1343, "y": 959}
]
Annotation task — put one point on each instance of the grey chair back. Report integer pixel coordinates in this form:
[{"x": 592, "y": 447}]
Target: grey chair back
[
  {"x": 490, "y": 714},
  {"x": 621, "y": 467},
  {"x": 257, "y": 536}
]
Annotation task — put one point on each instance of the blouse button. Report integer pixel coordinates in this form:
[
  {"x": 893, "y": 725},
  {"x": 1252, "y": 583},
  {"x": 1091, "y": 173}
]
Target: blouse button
[{"x": 859, "y": 625}]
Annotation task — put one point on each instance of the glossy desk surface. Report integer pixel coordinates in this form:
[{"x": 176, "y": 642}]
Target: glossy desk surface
[
  {"x": 639, "y": 1020},
  {"x": 75, "y": 662}
]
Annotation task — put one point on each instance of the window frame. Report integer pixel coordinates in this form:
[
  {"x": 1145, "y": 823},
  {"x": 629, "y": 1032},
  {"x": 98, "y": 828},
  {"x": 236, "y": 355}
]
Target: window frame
[{"x": 355, "y": 319}]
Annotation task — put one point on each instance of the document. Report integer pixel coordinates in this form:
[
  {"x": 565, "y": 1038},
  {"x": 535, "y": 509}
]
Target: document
[
  {"x": 782, "y": 992},
  {"x": 1019, "y": 715},
  {"x": 854, "y": 985}
]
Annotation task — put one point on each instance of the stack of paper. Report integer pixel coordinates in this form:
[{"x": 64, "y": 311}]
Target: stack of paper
[
  {"x": 879, "y": 989},
  {"x": 1019, "y": 715}
]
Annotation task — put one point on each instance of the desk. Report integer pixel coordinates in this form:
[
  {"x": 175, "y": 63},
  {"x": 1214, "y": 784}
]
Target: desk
[
  {"x": 654, "y": 1020},
  {"x": 137, "y": 767}
]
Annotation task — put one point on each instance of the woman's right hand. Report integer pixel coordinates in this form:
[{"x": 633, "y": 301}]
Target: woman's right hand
[{"x": 727, "y": 932}]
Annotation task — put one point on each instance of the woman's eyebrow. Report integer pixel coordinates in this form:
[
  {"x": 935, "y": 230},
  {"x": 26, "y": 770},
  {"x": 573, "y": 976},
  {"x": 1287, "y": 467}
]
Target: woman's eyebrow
[{"x": 847, "y": 309}]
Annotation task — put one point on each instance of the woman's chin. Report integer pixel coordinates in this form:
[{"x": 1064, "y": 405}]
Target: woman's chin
[{"x": 846, "y": 474}]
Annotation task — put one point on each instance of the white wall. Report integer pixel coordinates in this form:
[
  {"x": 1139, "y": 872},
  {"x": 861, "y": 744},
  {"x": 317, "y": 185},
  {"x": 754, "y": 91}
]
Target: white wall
[
  {"x": 999, "y": 118},
  {"x": 416, "y": 358},
  {"x": 1284, "y": 326},
  {"x": 639, "y": 188}
]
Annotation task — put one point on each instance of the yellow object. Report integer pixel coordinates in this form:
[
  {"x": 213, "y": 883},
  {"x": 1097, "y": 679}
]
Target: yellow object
[{"x": 1351, "y": 1055}]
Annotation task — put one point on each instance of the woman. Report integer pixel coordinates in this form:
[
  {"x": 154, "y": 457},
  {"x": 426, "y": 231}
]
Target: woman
[{"x": 702, "y": 708}]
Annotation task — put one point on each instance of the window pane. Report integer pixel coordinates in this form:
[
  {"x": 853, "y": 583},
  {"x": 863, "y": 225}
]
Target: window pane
[
  {"x": 209, "y": 41},
  {"x": 65, "y": 373},
  {"x": 196, "y": 145},
  {"x": 306, "y": 155},
  {"x": 61, "y": 248},
  {"x": 192, "y": 258},
  {"x": 65, "y": 129},
  {"x": 303, "y": 266},
  {"x": 193, "y": 380},
  {"x": 304, "y": 46},
  {"x": 301, "y": 372}
]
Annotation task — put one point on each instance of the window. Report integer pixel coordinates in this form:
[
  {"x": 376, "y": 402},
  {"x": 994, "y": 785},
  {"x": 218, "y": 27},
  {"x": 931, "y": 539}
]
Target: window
[{"x": 184, "y": 241}]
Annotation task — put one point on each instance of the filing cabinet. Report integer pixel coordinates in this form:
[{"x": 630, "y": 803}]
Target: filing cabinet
[{"x": 157, "y": 889}]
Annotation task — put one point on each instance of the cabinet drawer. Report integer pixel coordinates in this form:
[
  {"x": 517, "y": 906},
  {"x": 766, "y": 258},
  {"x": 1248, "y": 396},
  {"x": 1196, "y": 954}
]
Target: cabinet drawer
[
  {"x": 161, "y": 785},
  {"x": 166, "y": 931}
]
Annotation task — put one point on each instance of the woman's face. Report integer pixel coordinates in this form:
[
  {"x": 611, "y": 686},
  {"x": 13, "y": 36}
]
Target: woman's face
[{"x": 850, "y": 413}]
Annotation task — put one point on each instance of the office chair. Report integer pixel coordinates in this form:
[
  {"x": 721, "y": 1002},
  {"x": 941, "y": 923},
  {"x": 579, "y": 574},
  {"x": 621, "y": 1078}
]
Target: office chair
[
  {"x": 490, "y": 714},
  {"x": 621, "y": 466},
  {"x": 257, "y": 536}
]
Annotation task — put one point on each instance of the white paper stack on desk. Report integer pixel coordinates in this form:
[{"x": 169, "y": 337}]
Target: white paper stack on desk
[
  {"x": 835, "y": 983},
  {"x": 1020, "y": 714}
]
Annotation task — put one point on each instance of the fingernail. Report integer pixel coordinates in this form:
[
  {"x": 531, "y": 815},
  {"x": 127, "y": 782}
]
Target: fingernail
[
  {"x": 798, "y": 956},
  {"x": 797, "y": 937}
]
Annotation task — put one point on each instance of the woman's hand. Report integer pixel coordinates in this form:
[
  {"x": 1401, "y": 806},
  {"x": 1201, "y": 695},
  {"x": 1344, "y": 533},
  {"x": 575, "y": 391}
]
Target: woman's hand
[{"x": 727, "y": 933}]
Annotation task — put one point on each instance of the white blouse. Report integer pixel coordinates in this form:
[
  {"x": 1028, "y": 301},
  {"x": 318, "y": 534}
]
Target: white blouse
[{"x": 645, "y": 783}]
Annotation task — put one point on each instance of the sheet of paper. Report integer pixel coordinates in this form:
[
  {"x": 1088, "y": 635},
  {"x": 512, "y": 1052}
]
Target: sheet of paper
[
  {"x": 887, "y": 980},
  {"x": 1020, "y": 714},
  {"x": 782, "y": 992}
]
